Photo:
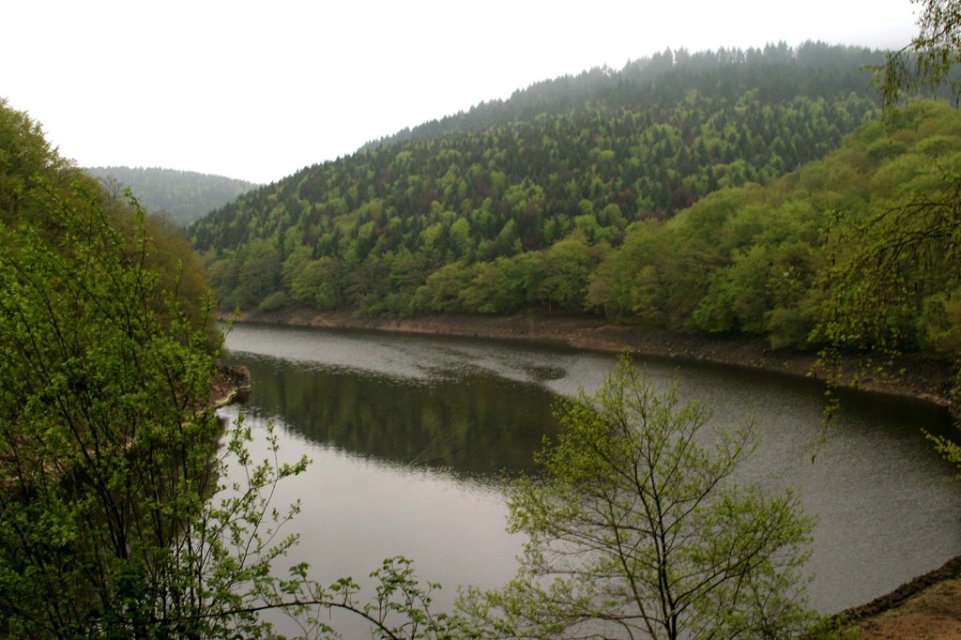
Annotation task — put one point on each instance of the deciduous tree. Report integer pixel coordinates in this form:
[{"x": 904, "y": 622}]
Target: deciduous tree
[{"x": 641, "y": 527}]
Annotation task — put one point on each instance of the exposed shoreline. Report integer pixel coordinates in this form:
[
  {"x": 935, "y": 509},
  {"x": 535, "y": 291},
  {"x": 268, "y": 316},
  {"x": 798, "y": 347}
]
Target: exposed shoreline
[{"x": 920, "y": 378}]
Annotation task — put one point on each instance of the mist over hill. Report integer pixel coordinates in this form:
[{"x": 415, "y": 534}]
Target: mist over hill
[
  {"x": 186, "y": 196},
  {"x": 661, "y": 80}
]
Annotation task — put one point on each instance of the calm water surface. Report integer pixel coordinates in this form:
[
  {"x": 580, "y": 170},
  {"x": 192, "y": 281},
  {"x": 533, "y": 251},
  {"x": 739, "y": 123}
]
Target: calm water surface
[{"x": 410, "y": 437}]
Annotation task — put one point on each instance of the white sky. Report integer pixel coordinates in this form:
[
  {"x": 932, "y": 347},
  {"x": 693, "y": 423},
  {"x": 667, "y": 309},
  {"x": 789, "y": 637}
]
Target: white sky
[{"x": 259, "y": 90}]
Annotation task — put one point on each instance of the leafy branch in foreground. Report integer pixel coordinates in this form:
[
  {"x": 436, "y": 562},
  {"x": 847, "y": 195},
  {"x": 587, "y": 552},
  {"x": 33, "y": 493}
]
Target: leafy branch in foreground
[
  {"x": 235, "y": 548},
  {"x": 896, "y": 282},
  {"x": 641, "y": 528},
  {"x": 930, "y": 58},
  {"x": 894, "y": 288},
  {"x": 896, "y": 279}
]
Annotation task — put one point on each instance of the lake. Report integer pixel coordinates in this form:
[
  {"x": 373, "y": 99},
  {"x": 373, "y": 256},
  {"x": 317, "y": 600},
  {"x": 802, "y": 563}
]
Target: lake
[{"x": 412, "y": 436}]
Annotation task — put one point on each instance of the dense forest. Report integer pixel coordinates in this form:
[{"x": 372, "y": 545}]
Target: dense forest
[
  {"x": 601, "y": 151},
  {"x": 107, "y": 350},
  {"x": 185, "y": 196},
  {"x": 663, "y": 80}
]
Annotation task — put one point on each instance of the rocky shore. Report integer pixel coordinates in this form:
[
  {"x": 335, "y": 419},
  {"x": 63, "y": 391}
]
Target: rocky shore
[{"x": 230, "y": 384}]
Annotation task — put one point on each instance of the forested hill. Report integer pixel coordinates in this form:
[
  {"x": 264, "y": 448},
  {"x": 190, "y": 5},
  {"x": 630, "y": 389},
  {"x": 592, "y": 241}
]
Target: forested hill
[
  {"x": 185, "y": 195},
  {"x": 474, "y": 218},
  {"x": 663, "y": 80}
]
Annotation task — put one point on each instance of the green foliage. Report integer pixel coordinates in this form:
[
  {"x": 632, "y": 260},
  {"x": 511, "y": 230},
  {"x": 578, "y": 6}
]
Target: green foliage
[
  {"x": 649, "y": 195},
  {"x": 587, "y": 156},
  {"x": 640, "y": 527},
  {"x": 25, "y": 157},
  {"x": 104, "y": 455},
  {"x": 897, "y": 271},
  {"x": 897, "y": 275},
  {"x": 107, "y": 449},
  {"x": 399, "y": 610},
  {"x": 931, "y": 60},
  {"x": 117, "y": 515},
  {"x": 791, "y": 261}
]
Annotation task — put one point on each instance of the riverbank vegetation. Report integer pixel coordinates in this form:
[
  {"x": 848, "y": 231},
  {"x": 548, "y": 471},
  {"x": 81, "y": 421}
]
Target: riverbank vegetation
[
  {"x": 111, "y": 524},
  {"x": 107, "y": 350}
]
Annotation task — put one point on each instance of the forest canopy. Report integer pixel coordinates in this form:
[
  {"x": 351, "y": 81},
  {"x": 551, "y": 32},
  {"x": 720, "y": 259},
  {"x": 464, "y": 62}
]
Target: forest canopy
[{"x": 558, "y": 171}]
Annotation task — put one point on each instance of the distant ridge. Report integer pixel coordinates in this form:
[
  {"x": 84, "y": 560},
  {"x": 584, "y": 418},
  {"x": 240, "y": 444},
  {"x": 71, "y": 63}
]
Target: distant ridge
[{"x": 186, "y": 196}]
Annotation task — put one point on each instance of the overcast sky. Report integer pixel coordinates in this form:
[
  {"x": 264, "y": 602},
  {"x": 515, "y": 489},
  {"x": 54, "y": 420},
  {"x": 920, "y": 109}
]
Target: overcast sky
[{"x": 259, "y": 90}]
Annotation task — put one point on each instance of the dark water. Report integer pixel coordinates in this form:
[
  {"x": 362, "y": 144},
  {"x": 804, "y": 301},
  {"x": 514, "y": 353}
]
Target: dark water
[
  {"x": 410, "y": 437},
  {"x": 467, "y": 421}
]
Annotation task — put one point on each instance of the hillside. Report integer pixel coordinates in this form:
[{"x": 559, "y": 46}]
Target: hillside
[
  {"x": 765, "y": 260},
  {"x": 575, "y": 160},
  {"x": 664, "y": 79},
  {"x": 186, "y": 196}
]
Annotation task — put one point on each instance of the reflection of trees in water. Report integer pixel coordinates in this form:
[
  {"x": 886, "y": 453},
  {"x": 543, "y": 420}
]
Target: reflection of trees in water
[{"x": 474, "y": 423}]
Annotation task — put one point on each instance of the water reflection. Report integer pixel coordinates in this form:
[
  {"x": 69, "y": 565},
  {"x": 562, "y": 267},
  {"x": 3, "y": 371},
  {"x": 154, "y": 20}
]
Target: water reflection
[{"x": 469, "y": 421}]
